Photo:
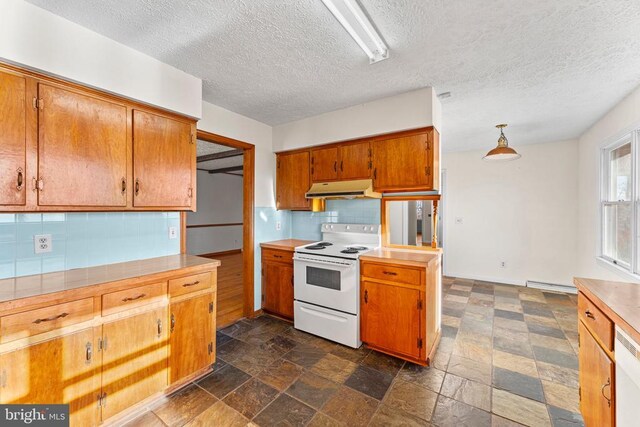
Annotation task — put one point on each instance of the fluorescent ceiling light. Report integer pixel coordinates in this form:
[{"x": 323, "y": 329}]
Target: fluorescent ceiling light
[{"x": 353, "y": 19}]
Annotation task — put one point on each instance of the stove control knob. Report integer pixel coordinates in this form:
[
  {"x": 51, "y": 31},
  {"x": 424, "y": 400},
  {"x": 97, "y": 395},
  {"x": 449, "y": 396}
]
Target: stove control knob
[
  {"x": 364, "y": 228},
  {"x": 347, "y": 227}
]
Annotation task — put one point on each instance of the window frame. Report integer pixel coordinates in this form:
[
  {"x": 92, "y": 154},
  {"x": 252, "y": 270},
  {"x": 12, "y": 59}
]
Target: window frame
[{"x": 633, "y": 137}]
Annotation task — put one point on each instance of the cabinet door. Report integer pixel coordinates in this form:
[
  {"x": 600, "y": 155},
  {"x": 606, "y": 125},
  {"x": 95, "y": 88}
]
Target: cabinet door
[
  {"x": 390, "y": 317},
  {"x": 134, "y": 360},
  {"x": 278, "y": 288},
  {"x": 596, "y": 382},
  {"x": 163, "y": 161},
  {"x": 292, "y": 181},
  {"x": 403, "y": 163},
  {"x": 13, "y": 134},
  {"x": 82, "y": 149},
  {"x": 62, "y": 370},
  {"x": 355, "y": 161},
  {"x": 192, "y": 326},
  {"x": 324, "y": 164}
]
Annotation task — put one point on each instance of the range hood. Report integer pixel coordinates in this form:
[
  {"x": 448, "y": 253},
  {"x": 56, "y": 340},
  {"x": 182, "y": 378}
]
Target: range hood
[{"x": 343, "y": 190}]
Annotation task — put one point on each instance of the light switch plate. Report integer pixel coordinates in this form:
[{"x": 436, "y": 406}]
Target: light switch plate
[
  {"x": 278, "y": 225},
  {"x": 42, "y": 243},
  {"x": 173, "y": 233}
]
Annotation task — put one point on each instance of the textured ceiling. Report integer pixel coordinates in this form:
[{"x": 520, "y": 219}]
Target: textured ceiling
[
  {"x": 205, "y": 147},
  {"x": 549, "y": 68}
]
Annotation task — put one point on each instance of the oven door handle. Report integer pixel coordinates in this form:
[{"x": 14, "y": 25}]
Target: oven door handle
[
  {"x": 325, "y": 264},
  {"x": 323, "y": 314}
]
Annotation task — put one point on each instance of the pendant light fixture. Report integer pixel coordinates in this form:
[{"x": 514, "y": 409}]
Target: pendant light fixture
[{"x": 502, "y": 151}]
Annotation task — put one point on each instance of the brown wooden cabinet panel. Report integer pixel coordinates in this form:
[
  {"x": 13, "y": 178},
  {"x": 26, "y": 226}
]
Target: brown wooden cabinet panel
[
  {"x": 391, "y": 318},
  {"x": 354, "y": 161},
  {"x": 324, "y": 164},
  {"x": 292, "y": 181},
  {"x": 192, "y": 336},
  {"x": 61, "y": 370},
  {"x": 404, "y": 163},
  {"x": 163, "y": 161},
  {"x": 597, "y": 402},
  {"x": 277, "y": 281},
  {"x": 82, "y": 157},
  {"x": 13, "y": 139},
  {"x": 134, "y": 360}
]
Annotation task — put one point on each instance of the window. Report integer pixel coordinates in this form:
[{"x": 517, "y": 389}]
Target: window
[{"x": 619, "y": 211}]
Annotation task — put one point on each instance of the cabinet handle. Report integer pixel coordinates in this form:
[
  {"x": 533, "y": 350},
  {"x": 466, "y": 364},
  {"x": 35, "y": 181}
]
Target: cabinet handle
[
  {"x": 366, "y": 296},
  {"x": 20, "y": 180},
  {"x": 186, "y": 285},
  {"x": 49, "y": 319},
  {"x": 602, "y": 391},
  {"x": 277, "y": 256},
  {"x": 375, "y": 173},
  {"x": 335, "y": 166},
  {"x": 124, "y": 186},
  {"x": 341, "y": 165},
  {"x": 89, "y": 352},
  {"x": 390, "y": 273},
  {"x": 127, "y": 299},
  {"x": 137, "y": 187},
  {"x": 173, "y": 322},
  {"x": 159, "y": 328},
  {"x": 589, "y": 314}
]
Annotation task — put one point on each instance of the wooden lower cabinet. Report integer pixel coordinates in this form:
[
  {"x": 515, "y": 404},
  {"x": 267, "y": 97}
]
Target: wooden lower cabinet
[
  {"x": 192, "y": 340},
  {"x": 597, "y": 388},
  {"x": 277, "y": 283},
  {"x": 134, "y": 360},
  {"x": 400, "y": 308},
  {"x": 64, "y": 369},
  {"x": 391, "y": 318}
]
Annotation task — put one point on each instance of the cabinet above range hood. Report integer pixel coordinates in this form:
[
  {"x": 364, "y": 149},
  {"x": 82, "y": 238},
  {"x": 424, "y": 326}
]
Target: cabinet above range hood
[{"x": 362, "y": 188}]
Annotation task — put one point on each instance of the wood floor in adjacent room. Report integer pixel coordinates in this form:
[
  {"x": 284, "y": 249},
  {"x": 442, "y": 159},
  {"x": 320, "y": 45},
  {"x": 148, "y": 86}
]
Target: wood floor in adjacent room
[{"x": 229, "y": 289}]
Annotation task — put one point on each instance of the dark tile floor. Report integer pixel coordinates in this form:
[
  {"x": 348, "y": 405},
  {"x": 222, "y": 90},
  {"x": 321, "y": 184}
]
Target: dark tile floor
[{"x": 507, "y": 357}]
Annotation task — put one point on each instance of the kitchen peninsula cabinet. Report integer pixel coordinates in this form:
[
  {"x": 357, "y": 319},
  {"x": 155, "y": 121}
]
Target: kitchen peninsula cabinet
[
  {"x": 292, "y": 180},
  {"x": 400, "y": 308},
  {"x": 66, "y": 147},
  {"x": 102, "y": 339}
]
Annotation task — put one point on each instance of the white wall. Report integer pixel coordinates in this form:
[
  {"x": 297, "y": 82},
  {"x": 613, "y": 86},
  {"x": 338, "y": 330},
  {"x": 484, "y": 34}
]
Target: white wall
[
  {"x": 232, "y": 125},
  {"x": 219, "y": 201},
  {"x": 40, "y": 40},
  {"x": 621, "y": 119},
  {"x": 522, "y": 212},
  {"x": 409, "y": 110}
]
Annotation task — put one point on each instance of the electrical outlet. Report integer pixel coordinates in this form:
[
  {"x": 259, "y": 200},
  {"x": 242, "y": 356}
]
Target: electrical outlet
[
  {"x": 503, "y": 264},
  {"x": 458, "y": 220},
  {"x": 42, "y": 243},
  {"x": 173, "y": 233},
  {"x": 278, "y": 225}
]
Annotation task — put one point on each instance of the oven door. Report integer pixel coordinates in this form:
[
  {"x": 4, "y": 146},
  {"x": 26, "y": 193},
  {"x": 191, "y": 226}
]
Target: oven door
[{"x": 330, "y": 283}]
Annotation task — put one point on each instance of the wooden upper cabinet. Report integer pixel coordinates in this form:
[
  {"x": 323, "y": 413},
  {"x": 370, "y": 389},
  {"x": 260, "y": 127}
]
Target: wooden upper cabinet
[
  {"x": 164, "y": 155},
  {"x": 292, "y": 180},
  {"x": 355, "y": 161},
  {"x": 82, "y": 159},
  {"x": 597, "y": 387},
  {"x": 13, "y": 139},
  {"x": 324, "y": 164},
  {"x": 61, "y": 370},
  {"x": 406, "y": 163}
]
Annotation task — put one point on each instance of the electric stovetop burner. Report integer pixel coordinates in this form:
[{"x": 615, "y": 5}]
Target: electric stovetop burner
[{"x": 349, "y": 251}]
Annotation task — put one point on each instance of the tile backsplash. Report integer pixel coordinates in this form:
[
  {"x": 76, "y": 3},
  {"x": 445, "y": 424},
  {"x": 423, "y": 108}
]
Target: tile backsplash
[
  {"x": 84, "y": 239},
  {"x": 306, "y": 225}
]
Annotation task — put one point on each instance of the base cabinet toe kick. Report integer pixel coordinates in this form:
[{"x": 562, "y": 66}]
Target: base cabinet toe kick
[{"x": 113, "y": 351}]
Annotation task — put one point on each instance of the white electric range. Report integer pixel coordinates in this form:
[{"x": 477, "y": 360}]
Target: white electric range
[{"x": 327, "y": 282}]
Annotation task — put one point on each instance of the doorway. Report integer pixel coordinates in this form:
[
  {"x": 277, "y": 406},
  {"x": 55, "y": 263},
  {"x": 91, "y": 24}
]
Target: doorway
[{"x": 222, "y": 226}]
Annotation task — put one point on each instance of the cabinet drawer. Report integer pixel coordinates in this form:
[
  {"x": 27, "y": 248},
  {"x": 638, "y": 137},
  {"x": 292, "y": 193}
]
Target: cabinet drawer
[
  {"x": 391, "y": 273},
  {"x": 596, "y": 321},
  {"x": 46, "y": 319},
  {"x": 116, "y": 302},
  {"x": 276, "y": 255},
  {"x": 187, "y": 284}
]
